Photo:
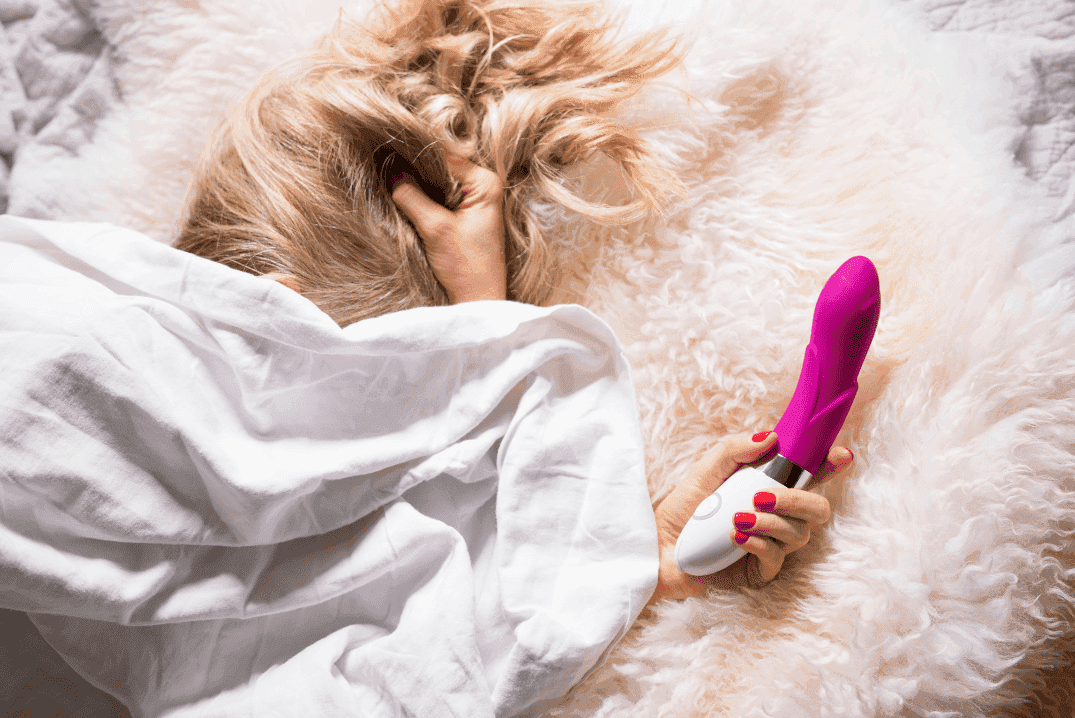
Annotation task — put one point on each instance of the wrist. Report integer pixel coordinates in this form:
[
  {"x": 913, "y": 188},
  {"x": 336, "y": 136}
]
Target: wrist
[
  {"x": 478, "y": 288},
  {"x": 476, "y": 297}
]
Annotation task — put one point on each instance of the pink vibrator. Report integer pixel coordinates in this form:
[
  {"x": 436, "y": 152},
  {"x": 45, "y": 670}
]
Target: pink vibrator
[{"x": 845, "y": 319}]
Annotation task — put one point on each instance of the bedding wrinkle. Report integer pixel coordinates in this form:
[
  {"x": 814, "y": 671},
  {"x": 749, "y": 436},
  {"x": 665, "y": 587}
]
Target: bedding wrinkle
[{"x": 63, "y": 397}]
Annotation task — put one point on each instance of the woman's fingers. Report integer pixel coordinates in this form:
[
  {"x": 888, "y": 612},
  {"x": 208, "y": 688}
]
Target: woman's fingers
[
  {"x": 480, "y": 186},
  {"x": 839, "y": 458},
  {"x": 723, "y": 460},
  {"x": 791, "y": 533},
  {"x": 793, "y": 503},
  {"x": 764, "y": 562},
  {"x": 464, "y": 247},
  {"x": 781, "y": 523},
  {"x": 705, "y": 475},
  {"x": 431, "y": 220}
]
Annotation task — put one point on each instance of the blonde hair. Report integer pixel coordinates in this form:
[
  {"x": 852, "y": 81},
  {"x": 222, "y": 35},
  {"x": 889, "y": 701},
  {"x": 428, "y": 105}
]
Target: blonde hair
[{"x": 296, "y": 179}]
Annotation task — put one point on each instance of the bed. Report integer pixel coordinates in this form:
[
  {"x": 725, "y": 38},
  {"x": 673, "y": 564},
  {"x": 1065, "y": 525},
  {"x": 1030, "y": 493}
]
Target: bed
[{"x": 934, "y": 137}]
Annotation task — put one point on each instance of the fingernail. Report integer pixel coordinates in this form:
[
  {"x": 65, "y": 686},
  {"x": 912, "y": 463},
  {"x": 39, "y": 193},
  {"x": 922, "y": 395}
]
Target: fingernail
[
  {"x": 850, "y": 454},
  {"x": 741, "y": 538},
  {"x": 761, "y": 436},
  {"x": 765, "y": 500},
  {"x": 744, "y": 520},
  {"x": 394, "y": 180}
]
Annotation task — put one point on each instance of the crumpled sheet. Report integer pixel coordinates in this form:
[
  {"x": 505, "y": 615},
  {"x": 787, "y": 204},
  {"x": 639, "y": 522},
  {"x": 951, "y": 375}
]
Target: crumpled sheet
[{"x": 216, "y": 502}]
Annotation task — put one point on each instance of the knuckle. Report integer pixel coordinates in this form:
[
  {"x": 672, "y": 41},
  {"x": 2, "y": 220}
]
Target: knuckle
[
  {"x": 770, "y": 563},
  {"x": 769, "y": 551},
  {"x": 818, "y": 509},
  {"x": 436, "y": 230},
  {"x": 491, "y": 184},
  {"x": 403, "y": 195},
  {"x": 756, "y": 574}
]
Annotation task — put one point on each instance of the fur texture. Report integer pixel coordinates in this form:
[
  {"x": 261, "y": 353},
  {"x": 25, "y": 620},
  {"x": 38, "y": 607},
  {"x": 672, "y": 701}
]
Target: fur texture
[{"x": 820, "y": 129}]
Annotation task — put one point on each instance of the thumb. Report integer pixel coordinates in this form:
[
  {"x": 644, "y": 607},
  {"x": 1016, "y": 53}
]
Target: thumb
[
  {"x": 706, "y": 475},
  {"x": 429, "y": 218},
  {"x": 719, "y": 463},
  {"x": 716, "y": 465}
]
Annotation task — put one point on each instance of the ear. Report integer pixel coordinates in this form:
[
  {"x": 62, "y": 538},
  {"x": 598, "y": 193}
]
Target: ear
[{"x": 286, "y": 279}]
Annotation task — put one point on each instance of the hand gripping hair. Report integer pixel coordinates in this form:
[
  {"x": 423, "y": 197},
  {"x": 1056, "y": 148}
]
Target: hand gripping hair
[{"x": 297, "y": 180}]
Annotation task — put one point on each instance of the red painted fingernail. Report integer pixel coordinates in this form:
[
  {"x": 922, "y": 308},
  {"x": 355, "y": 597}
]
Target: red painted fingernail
[
  {"x": 760, "y": 436},
  {"x": 744, "y": 520},
  {"x": 741, "y": 538},
  {"x": 395, "y": 180},
  {"x": 765, "y": 500}
]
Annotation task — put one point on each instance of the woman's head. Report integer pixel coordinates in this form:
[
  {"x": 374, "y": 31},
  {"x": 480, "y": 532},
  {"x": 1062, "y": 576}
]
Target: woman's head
[{"x": 295, "y": 182}]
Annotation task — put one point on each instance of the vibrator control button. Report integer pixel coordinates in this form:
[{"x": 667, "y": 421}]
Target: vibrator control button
[{"x": 708, "y": 507}]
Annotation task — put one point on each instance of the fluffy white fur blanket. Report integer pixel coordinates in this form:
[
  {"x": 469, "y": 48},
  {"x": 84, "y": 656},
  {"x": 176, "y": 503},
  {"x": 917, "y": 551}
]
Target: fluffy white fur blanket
[{"x": 819, "y": 129}]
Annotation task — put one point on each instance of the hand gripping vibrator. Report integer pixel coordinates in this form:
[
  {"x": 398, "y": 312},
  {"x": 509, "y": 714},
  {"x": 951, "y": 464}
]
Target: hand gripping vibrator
[{"x": 845, "y": 318}]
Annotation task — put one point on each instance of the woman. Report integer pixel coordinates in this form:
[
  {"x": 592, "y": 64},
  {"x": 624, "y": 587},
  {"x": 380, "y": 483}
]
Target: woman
[
  {"x": 466, "y": 250},
  {"x": 485, "y": 106}
]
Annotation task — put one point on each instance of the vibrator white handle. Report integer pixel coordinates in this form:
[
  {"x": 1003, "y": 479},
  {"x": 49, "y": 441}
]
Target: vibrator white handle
[{"x": 705, "y": 545}]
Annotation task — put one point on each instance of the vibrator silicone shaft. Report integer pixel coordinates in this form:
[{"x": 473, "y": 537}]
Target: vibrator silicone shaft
[{"x": 845, "y": 319}]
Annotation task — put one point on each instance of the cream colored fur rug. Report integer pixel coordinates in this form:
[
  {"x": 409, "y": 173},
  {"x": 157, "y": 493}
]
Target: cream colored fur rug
[
  {"x": 819, "y": 130},
  {"x": 943, "y": 585}
]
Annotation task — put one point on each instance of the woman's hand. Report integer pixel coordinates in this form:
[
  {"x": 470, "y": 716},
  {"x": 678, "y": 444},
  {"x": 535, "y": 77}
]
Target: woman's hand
[
  {"x": 778, "y": 530},
  {"x": 466, "y": 247}
]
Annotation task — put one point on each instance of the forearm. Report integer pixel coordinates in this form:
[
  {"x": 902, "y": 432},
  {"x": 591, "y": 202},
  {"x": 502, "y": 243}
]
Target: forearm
[{"x": 477, "y": 294}]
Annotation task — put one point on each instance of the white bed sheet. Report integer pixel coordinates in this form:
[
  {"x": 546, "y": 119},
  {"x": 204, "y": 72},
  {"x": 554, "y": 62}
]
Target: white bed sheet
[{"x": 216, "y": 502}]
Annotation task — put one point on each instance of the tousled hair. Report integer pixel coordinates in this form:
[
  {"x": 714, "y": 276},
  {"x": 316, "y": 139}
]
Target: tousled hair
[{"x": 296, "y": 180}]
